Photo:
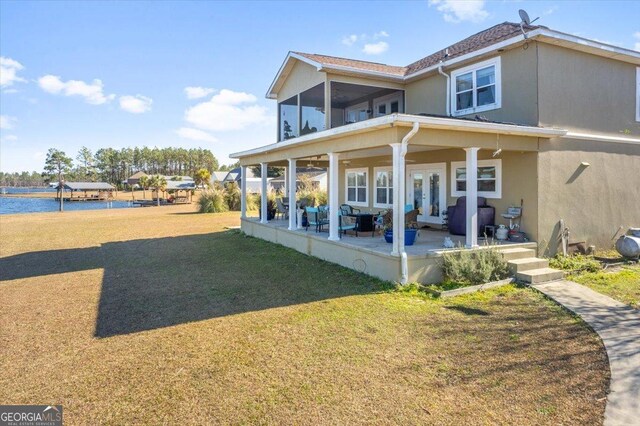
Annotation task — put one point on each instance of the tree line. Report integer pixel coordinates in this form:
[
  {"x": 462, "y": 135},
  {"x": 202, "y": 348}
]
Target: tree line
[{"x": 114, "y": 166}]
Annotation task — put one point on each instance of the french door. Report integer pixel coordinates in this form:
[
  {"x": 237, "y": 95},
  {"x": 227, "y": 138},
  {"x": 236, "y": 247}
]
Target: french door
[{"x": 426, "y": 189}]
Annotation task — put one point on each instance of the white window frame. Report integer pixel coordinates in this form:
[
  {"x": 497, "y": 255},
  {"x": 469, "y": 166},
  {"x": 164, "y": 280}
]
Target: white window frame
[
  {"x": 481, "y": 163},
  {"x": 496, "y": 62},
  {"x": 387, "y": 100},
  {"x": 638, "y": 94},
  {"x": 364, "y": 170},
  {"x": 362, "y": 105},
  {"x": 389, "y": 189}
]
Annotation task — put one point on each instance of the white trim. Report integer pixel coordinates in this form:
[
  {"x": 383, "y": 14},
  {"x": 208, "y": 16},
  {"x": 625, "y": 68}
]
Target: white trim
[
  {"x": 638, "y": 94},
  {"x": 473, "y": 69},
  {"x": 407, "y": 120},
  {"x": 346, "y": 187},
  {"x": 600, "y": 138},
  {"x": 497, "y": 163},
  {"x": 376, "y": 170}
]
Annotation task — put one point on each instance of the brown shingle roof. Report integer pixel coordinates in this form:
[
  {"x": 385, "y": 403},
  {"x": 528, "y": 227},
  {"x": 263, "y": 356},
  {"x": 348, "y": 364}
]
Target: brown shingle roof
[
  {"x": 354, "y": 63},
  {"x": 475, "y": 42}
]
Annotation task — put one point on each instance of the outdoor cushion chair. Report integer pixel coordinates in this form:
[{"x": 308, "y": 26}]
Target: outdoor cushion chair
[
  {"x": 346, "y": 223},
  {"x": 282, "y": 209},
  {"x": 347, "y": 210},
  {"x": 410, "y": 217},
  {"x": 314, "y": 218},
  {"x": 457, "y": 216}
]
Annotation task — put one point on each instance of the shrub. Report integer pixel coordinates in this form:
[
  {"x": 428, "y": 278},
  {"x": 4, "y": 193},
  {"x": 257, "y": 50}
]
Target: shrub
[
  {"x": 575, "y": 263},
  {"x": 212, "y": 201},
  {"x": 474, "y": 266},
  {"x": 232, "y": 196}
]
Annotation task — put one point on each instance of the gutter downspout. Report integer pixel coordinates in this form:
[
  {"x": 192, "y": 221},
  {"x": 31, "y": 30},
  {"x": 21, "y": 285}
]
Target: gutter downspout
[
  {"x": 402, "y": 201},
  {"x": 448, "y": 101}
]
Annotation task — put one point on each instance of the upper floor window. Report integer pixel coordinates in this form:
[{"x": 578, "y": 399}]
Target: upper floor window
[{"x": 476, "y": 88}]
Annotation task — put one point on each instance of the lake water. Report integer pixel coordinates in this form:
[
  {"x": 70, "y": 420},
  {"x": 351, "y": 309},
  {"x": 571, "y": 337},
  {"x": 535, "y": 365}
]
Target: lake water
[{"x": 9, "y": 205}]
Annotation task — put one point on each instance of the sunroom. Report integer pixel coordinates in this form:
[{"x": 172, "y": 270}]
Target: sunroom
[{"x": 439, "y": 159}]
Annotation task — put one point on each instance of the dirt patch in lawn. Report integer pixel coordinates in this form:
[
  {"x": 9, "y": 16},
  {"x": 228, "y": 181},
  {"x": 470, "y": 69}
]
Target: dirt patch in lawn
[{"x": 148, "y": 316}]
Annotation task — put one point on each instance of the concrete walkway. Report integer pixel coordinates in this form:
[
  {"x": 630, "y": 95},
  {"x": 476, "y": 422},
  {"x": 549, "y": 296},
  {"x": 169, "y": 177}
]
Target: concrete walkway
[{"x": 619, "y": 327}]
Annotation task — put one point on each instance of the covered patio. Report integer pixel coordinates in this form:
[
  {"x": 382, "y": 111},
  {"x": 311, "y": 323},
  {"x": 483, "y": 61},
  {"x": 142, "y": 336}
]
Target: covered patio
[{"x": 410, "y": 146}]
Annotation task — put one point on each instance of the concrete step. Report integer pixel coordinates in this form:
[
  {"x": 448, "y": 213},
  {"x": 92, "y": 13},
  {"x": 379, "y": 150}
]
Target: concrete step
[
  {"x": 527, "y": 264},
  {"x": 536, "y": 276},
  {"x": 517, "y": 253}
]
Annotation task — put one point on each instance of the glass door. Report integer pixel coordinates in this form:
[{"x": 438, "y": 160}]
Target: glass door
[{"x": 426, "y": 188}]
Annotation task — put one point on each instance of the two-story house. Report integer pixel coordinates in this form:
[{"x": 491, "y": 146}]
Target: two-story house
[{"x": 519, "y": 115}]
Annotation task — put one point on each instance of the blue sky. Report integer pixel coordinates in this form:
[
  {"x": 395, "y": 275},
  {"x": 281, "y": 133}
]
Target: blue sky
[{"x": 114, "y": 74}]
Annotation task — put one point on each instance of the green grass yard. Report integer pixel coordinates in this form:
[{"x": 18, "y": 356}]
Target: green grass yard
[
  {"x": 160, "y": 315},
  {"x": 622, "y": 284}
]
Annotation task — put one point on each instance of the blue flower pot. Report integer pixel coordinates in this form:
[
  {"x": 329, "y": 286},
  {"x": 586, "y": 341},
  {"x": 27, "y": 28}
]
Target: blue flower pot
[{"x": 409, "y": 236}]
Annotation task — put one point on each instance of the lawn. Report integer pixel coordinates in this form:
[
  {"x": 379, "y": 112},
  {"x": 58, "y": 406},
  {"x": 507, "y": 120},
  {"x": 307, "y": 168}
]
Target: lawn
[
  {"x": 159, "y": 315},
  {"x": 622, "y": 284}
]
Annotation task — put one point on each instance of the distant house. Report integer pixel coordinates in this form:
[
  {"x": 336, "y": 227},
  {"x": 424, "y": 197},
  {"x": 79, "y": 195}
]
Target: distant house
[
  {"x": 318, "y": 178},
  {"x": 134, "y": 179},
  {"x": 254, "y": 184}
]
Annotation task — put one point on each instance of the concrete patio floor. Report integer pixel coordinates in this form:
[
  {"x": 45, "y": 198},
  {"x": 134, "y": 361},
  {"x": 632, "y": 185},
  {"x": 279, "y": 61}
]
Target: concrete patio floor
[{"x": 429, "y": 241}]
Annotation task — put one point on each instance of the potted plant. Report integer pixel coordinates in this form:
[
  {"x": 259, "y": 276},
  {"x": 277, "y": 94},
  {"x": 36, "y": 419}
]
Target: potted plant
[
  {"x": 410, "y": 233},
  {"x": 271, "y": 206}
]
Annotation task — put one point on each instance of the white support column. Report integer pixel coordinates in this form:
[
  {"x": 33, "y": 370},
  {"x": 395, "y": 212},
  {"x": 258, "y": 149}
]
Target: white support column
[
  {"x": 398, "y": 208},
  {"x": 334, "y": 232},
  {"x": 243, "y": 192},
  {"x": 263, "y": 194},
  {"x": 285, "y": 186},
  {"x": 292, "y": 185},
  {"x": 472, "y": 197}
]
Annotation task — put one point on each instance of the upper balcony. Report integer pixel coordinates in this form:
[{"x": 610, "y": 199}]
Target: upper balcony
[{"x": 308, "y": 112}]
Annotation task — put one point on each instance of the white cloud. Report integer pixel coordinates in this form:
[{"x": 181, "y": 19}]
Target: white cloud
[
  {"x": 352, "y": 39},
  {"x": 636, "y": 46},
  {"x": 135, "y": 104},
  {"x": 227, "y": 110},
  {"x": 91, "y": 92},
  {"x": 551, "y": 10},
  {"x": 194, "y": 92},
  {"x": 7, "y": 122},
  {"x": 456, "y": 11},
  {"x": 375, "y": 48},
  {"x": 9, "y": 71},
  {"x": 195, "y": 134},
  {"x": 349, "y": 40},
  {"x": 9, "y": 138}
]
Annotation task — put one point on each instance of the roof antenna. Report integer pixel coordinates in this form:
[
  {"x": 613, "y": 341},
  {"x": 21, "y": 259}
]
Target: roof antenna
[
  {"x": 446, "y": 53},
  {"x": 525, "y": 20}
]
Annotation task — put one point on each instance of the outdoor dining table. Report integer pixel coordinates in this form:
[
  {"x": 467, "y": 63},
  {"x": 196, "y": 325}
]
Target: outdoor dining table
[{"x": 364, "y": 222}]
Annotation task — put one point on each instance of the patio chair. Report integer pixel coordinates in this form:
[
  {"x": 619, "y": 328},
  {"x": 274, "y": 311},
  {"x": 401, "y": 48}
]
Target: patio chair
[
  {"x": 457, "y": 216},
  {"x": 347, "y": 210},
  {"x": 314, "y": 218},
  {"x": 346, "y": 223},
  {"x": 281, "y": 209},
  {"x": 410, "y": 217}
]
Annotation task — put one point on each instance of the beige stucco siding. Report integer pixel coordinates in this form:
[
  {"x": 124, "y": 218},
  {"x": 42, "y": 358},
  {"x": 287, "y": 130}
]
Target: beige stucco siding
[
  {"x": 594, "y": 200},
  {"x": 302, "y": 77},
  {"x": 519, "y": 90},
  {"x": 584, "y": 92},
  {"x": 519, "y": 171}
]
